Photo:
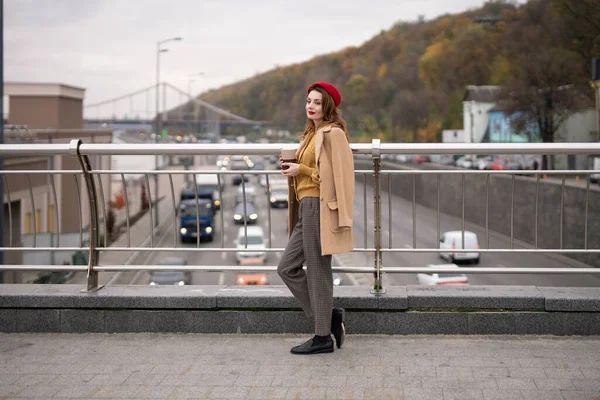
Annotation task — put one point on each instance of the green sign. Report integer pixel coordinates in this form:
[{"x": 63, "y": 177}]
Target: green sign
[{"x": 164, "y": 133}]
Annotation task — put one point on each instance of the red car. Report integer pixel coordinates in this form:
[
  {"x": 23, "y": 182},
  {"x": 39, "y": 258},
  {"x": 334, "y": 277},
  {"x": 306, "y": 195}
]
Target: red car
[
  {"x": 422, "y": 159},
  {"x": 499, "y": 164}
]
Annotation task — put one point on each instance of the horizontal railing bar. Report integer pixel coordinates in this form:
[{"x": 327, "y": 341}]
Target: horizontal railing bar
[
  {"x": 490, "y": 148},
  {"x": 187, "y": 172},
  {"x": 9, "y": 267},
  {"x": 411, "y": 148},
  {"x": 280, "y": 249},
  {"x": 191, "y": 249},
  {"x": 42, "y": 172},
  {"x": 272, "y": 268},
  {"x": 222, "y": 268},
  {"x": 494, "y": 270},
  {"x": 194, "y": 149},
  {"x": 44, "y": 248},
  {"x": 56, "y": 149},
  {"x": 469, "y": 171},
  {"x": 484, "y": 251},
  {"x": 261, "y": 149},
  {"x": 277, "y": 172}
]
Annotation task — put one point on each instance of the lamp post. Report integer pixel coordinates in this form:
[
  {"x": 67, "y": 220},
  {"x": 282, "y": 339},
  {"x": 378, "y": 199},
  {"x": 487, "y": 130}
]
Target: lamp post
[
  {"x": 190, "y": 80},
  {"x": 158, "y": 119}
]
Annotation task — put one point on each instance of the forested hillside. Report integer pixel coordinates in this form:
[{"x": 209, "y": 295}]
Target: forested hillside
[{"x": 407, "y": 83}]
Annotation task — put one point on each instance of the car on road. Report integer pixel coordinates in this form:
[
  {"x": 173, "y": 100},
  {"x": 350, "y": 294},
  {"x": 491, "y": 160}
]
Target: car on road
[
  {"x": 421, "y": 158},
  {"x": 443, "y": 278},
  {"x": 171, "y": 277},
  {"x": 337, "y": 279},
  {"x": 251, "y": 277},
  {"x": 249, "y": 188},
  {"x": 484, "y": 162},
  {"x": 196, "y": 215},
  {"x": 465, "y": 162},
  {"x": 279, "y": 197},
  {"x": 256, "y": 244},
  {"x": 452, "y": 240},
  {"x": 250, "y": 215}
]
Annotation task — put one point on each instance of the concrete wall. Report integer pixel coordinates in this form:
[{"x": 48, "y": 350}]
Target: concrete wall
[
  {"x": 500, "y": 206},
  {"x": 242, "y": 309}
]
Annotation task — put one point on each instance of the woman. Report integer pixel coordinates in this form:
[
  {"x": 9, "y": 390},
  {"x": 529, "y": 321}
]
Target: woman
[{"x": 321, "y": 195}]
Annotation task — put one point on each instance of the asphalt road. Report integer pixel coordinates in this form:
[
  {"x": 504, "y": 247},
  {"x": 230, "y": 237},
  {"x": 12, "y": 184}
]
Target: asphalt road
[{"x": 402, "y": 237}]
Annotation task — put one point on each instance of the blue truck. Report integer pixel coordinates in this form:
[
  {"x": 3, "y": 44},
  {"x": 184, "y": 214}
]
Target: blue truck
[{"x": 196, "y": 218}]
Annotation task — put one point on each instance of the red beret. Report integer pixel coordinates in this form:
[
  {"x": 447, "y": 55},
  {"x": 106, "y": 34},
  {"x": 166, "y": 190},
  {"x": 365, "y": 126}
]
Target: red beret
[{"x": 329, "y": 88}]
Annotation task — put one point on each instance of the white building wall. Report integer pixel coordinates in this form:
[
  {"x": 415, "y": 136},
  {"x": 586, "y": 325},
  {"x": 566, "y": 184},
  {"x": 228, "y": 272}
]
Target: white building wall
[
  {"x": 478, "y": 114},
  {"x": 453, "y": 136},
  {"x": 580, "y": 127}
]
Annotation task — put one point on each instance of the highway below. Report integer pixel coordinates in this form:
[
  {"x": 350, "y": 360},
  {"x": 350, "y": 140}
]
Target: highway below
[{"x": 402, "y": 237}]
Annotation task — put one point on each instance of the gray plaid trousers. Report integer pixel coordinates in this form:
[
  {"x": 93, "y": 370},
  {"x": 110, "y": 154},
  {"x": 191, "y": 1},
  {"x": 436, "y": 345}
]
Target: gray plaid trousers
[{"x": 314, "y": 288}]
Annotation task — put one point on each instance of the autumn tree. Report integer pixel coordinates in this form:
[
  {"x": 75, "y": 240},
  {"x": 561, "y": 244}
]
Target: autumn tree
[{"x": 543, "y": 88}]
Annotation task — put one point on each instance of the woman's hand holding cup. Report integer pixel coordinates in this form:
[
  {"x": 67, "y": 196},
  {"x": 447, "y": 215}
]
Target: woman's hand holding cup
[{"x": 287, "y": 160}]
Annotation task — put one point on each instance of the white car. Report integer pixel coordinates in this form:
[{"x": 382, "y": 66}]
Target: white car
[
  {"x": 444, "y": 278},
  {"x": 249, "y": 188},
  {"x": 465, "y": 162},
  {"x": 452, "y": 240},
  {"x": 256, "y": 243}
]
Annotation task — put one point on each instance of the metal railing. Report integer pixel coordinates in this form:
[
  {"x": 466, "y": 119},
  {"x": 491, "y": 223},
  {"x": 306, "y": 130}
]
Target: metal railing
[{"x": 95, "y": 200}]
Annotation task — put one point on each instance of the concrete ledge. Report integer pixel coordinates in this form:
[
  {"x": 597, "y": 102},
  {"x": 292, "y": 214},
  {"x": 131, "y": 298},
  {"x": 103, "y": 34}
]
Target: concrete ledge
[
  {"x": 478, "y": 297},
  {"x": 571, "y": 299},
  {"x": 272, "y": 309}
]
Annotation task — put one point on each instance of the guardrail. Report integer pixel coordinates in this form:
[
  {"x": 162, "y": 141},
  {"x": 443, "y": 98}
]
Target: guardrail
[{"x": 97, "y": 205}]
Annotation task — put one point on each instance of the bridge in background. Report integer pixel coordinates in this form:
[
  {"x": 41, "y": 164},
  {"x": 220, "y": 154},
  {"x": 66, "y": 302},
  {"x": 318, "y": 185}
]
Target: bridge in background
[{"x": 179, "y": 109}]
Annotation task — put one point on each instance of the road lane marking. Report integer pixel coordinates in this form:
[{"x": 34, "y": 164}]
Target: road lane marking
[{"x": 221, "y": 278}]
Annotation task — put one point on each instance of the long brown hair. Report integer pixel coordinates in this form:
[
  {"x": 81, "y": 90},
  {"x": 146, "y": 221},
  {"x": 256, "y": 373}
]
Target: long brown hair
[{"x": 331, "y": 115}]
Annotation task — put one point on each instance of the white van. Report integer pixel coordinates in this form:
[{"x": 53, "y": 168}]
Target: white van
[
  {"x": 256, "y": 243},
  {"x": 453, "y": 240}
]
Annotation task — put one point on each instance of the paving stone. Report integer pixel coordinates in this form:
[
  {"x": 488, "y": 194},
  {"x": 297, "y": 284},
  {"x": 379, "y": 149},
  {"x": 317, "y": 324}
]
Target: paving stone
[
  {"x": 78, "y": 391},
  {"x": 526, "y": 373},
  {"x": 489, "y": 394},
  {"x": 515, "y": 383},
  {"x": 295, "y": 393},
  {"x": 261, "y": 393},
  {"x": 345, "y": 393},
  {"x": 191, "y": 392},
  {"x": 44, "y": 391},
  {"x": 411, "y": 393},
  {"x": 580, "y": 395},
  {"x": 384, "y": 393},
  {"x": 463, "y": 394},
  {"x": 542, "y": 395},
  {"x": 254, "y": 380}
]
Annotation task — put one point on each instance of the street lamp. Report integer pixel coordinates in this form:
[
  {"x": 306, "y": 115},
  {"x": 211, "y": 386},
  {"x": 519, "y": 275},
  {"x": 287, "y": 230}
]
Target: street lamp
[
  {"x": 158, "y": 119},
  {"x": 190, "y": 80}
]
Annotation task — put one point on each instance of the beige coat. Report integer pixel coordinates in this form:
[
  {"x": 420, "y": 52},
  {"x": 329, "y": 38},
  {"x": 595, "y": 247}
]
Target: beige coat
[{"x": 335, "y": 164}]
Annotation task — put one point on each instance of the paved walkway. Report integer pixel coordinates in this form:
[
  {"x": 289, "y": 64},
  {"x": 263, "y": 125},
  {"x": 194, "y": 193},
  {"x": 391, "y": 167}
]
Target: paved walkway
[{"x": 200, "y": 366}]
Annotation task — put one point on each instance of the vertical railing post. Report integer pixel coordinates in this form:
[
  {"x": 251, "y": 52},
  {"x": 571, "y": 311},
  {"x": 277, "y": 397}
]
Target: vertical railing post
[
  {"x": 376, "y": 154},
  {"x": 84, "y": 162}
]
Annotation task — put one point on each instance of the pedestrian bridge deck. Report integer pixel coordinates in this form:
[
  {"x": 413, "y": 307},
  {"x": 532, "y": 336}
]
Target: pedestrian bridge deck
[{"x": 244, "y": 366}]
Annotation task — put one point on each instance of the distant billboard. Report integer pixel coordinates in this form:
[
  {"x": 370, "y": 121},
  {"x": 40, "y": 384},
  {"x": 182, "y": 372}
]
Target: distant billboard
[{"x": 502, "y": 131}]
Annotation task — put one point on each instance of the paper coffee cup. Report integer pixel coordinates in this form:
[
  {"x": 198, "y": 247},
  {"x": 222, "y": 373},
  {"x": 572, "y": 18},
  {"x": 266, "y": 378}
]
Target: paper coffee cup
[{"x": 288, "y": 156}]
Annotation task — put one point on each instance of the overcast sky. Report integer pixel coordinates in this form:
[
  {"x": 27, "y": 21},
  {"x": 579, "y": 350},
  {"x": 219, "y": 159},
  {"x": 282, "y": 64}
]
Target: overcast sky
[{"x": 108, "y": 47}]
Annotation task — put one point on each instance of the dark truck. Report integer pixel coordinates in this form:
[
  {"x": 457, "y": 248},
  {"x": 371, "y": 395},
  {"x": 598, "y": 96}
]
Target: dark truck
[
  {"x": 208, "y": 188},
  {"x": 196, "y": 219}
]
